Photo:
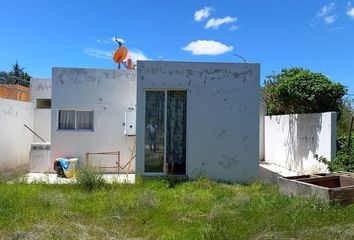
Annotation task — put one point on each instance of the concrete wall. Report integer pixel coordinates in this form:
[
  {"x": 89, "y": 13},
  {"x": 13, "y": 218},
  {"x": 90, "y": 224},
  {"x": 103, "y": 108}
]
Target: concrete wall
[
  {"x": 41, "y": 89},
  {"x": 15, "y": 139},
  {"x": 108, "y": 93},
  {"x": 222, "y": 115},
  {"x": 262, "y": 113},
  {"x": 42, "y": 124},
  {"x": 14, "y": 92},
  {"x": 292, "y": 140}
]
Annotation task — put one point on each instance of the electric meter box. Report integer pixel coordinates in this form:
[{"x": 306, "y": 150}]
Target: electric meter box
[{"x": 130, "y": 122}]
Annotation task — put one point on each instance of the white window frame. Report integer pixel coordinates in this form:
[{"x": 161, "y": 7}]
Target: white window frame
[{"x": 75, "y": 121}]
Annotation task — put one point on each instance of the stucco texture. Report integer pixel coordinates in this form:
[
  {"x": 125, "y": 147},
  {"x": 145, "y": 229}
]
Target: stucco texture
[
  {"x": 15, "y": 139},
  {"x": 292, "y": 140},
  {"x": 223, "y": 109},
  {"x": 107, "y": 92}
]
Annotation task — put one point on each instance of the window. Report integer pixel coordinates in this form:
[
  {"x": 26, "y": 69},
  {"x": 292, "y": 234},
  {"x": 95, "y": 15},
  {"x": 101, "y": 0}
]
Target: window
[
  {"x": 84, "y": 120},
  {"x": 44, "y": 103},
  {"x": 75, "y": 120},
  {"x": 66, "y": 119}
]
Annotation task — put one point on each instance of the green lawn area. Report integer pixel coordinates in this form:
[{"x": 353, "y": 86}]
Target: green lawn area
[{"x": 151, "y": 209}]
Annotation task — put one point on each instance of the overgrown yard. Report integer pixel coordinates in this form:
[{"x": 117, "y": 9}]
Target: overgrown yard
[{"x": 154, "y": 210}]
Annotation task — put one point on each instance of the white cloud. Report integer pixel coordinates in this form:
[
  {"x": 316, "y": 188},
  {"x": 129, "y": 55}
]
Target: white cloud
[
  {"x": 137, "y": 55},
  {"x": 105, "y": 41},
  {"x": 350, "y": 12},
  {"x": 207, "y": 47},
  {"x": 202, "y": 13},
  {"x": 98, "y": 53},
  {"x": 215, "y": 23},
  {"x": 330, "y": 19},
  {"x": 326, "y": 9},
  {"x": 234, "y": 28},
  {"x": 326, "y": 13}
]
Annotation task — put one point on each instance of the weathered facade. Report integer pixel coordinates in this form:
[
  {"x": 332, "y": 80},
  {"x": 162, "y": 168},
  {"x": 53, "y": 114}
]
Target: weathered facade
[
  {"x": 88, "y": 110},
  {"x": 198, "y": 119}
]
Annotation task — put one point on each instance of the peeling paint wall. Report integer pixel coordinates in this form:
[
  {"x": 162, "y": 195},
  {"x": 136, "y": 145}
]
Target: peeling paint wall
[
  {"x": 15, "y": 139},
  {"x": 108, "y": 93},
  {"x": 41, "y": 89},
  {"x": 292, "y": 140},
  {"x": 223, "y": 111}
]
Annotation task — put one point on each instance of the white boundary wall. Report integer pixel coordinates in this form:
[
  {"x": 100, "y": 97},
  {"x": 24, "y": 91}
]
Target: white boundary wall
[
  {"x": 15, "y": 139},
  {"x": 292, "y": 140}
]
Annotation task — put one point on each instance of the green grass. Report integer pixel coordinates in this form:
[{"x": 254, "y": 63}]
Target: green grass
[{"x": 152, "y": 210}]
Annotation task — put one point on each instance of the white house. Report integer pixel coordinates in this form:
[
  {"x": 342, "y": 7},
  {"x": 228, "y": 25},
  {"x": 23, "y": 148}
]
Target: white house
[{"x": 192, "y": 118}]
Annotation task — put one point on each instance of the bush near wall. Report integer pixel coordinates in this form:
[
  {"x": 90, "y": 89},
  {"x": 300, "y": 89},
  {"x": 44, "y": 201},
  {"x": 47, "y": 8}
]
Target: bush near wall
[{"x": 298, "y": 90}]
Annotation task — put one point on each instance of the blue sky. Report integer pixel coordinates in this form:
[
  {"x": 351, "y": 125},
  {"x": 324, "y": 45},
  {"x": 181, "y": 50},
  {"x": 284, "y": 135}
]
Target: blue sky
[{"x": 313, "y": 34}]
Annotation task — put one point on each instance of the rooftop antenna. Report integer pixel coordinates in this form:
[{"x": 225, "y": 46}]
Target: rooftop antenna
[
  {"x": 121, "y": 55},
  {"x": 244, "y": 59}
]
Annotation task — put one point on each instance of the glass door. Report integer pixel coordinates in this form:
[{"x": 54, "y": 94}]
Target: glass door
[
  {"x": 154, "y": 131},
  {"x": 165, "y": 132}
]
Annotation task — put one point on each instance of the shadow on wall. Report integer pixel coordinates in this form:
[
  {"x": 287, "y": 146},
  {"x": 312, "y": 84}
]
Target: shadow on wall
[{"x": 303, "y": 138}]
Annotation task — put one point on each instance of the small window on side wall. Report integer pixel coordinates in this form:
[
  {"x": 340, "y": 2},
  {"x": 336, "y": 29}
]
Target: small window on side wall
[
  {"x": 75, "y": 120},
  {"x": 84, "y": 120},
  {"x": 66, "y": 120},
  {"x": 43, "y": 103}
]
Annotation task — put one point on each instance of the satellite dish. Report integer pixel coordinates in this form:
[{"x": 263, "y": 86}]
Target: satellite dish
[
  {"x": 126, "y": 58},
  {"x": 120, "y": 54}
]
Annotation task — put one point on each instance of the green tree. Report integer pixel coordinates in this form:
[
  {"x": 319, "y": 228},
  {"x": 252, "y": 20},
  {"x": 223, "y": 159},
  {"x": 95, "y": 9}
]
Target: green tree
[
  {"x": 18, "y": 76},
  {"x": 344, "y": 123},
  {"x": 298, "y": 90},
  {"x": 3, "y": 77}
]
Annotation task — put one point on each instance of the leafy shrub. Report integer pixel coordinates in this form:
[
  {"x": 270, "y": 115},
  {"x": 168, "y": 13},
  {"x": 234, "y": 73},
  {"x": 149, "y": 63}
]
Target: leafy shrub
[
  {"x": 344, "y": 160},
  {"x": 90, "y": 178},
  {"x": 298, "y": 90}
]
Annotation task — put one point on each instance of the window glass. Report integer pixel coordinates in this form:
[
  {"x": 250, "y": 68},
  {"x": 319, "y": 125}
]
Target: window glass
[
  {"x": 176, "y": 132},
  {"x": 66, "y": 119},
  {"x": 44, "y": 103},
  {"x": 84, "y": 120},
  {"x": 154, "y": 131}
]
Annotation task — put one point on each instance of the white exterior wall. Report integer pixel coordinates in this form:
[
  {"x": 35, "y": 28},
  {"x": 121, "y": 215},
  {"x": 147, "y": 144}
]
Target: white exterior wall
[
  {"x": 15, "y": 139},
  {"x": 108, "y": 93},
  {"x": 262, "y": 113},
  {"x": 222, "y": 115},
  {"x": 292, "y": 140},
  {"x": 42, "y": 124},
  {"x": 41, "y": 89}
]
